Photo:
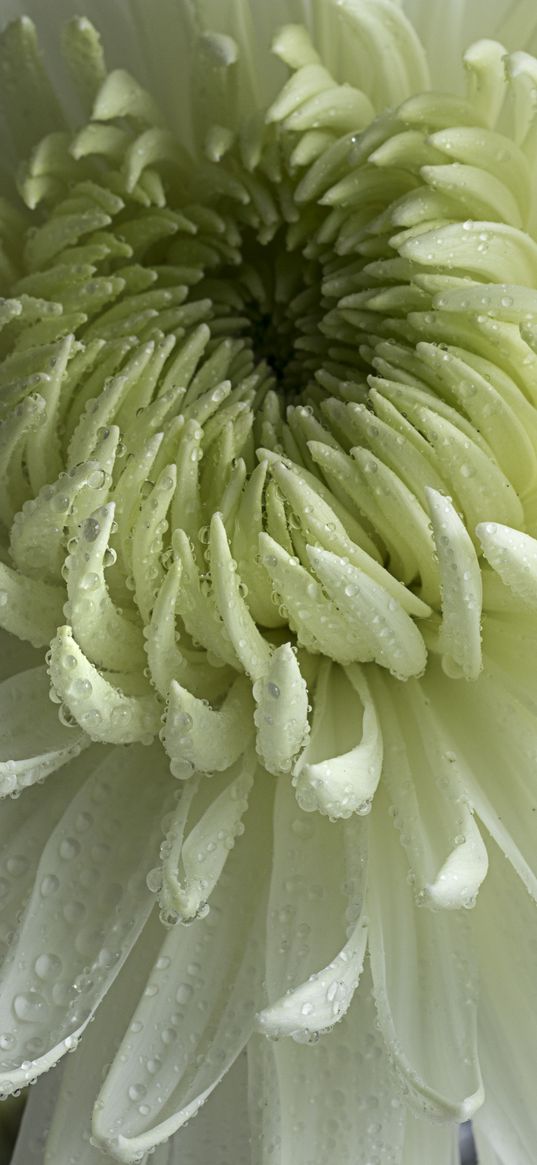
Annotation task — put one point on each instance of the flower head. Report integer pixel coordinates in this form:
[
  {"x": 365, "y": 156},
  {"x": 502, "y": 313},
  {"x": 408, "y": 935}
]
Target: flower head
[{"x": 268, "y": 498}]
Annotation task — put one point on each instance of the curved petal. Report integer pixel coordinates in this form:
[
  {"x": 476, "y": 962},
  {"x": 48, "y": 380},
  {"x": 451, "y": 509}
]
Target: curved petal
[
  {"x": 33, "y": 740},
  {"x": 427, "y": 1016},
  {"x": 75, "y": 936},
  {"x": 336, "y": 775},
  {"x": 94, "y": 701},
  {"x": 313, "y": 970},
  {"x": 299, "y": 1096},
  {"x": 464, "y": 21},
  {"x": 79, "y": 1083},
  {"x": 25, "y": 825},
  {"x": 486, "y": 737},
  {"x": 198, "y": 1009}
]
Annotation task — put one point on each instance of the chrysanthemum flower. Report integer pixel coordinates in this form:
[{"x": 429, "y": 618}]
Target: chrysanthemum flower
[{"x": 268, "y": 582}]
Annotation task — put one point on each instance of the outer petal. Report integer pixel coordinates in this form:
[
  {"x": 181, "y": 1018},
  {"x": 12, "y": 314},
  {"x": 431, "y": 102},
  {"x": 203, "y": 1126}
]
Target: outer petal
[
  {"x": 334, "y": 1101},
  {"x": 505, "y": 925},
  {"x": 198, "y": 1009},
  {"x": 74, "y": 937},
  {"x": 79, "y": 1083},
  {"x": 427, "y": 1015},
  {"x": 33, "y": 741}
]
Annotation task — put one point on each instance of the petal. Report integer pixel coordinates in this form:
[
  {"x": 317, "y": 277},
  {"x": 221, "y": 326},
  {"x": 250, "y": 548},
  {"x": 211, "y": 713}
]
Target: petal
[
  {"x": 204, "y": 993},
  {"x": 251, "y": 648},
  {"x": 335, "y": 775},
  {"x": 487, "y": 737},
  {"x": 26, "y": 823},
  {"x": 95, "y": 703},
  {"x": 36, "y": 1120},
  {"x": 197, "y": 737},
  {"x": 220, "y": 1132},
  {"x": 505, "y": 932},
  {"x": 312, "y": 970},
  {"x": 16, "y": 655},
  {"x": 427, "y": 1016},
  {"x": 29, "y": 608},
  {"x": 513, "y": 555},
  {"x": 425, "y": 1141},
  {"x": 429, "y": 801},
  {"x": 192, "y": 866},
  {"x": 334, "y": 1100},
  {"x": 394, "y": 641},
  {"x": 460, "y": 631},
  {"x": 79, "y": 1082},
  {"x": 33, "y": 741},
  {"x": 73, "y": 938},
  {"x": 281, "y": 715}
]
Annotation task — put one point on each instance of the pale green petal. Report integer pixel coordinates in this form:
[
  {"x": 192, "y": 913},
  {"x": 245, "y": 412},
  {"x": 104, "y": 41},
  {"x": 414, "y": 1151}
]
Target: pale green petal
[
  {"x": 74, "y": 939},
  {"x": 192, "y": 865},
  {"x": 281, "y": 715},
  {"x": 507, "y": 1019},
  {"x": 460, "y": 630},
  {"x": 33, "y": 740},
  {"x": 16, "y": 656},
  {"x": 197, "y": 737},
  {"x": 207, "y": 1004},
  {"x": 305, "y": 1091},
  {"x": 427, "y": 1141},
  {"x": 340, "y": 768},
  {"x": 441, "y": 1074},
  {"x": 513, "y": 555},
  {"x": 79, "y": 1082},
  {"x": 97, "y": 703}
]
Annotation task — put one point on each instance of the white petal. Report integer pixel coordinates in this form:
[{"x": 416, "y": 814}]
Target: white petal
[
  {"x": 73, "y": 938},
  {"x": 199, "y": 1006},
  {"x": 108, "y": 637},
  {"x": 251, "y": 648},
  {"x": 463, "y": 22},
  {"x": 428, "y": 1142},
  {"x": 335, "y": 775},
  {"x": 323, "y": 999},
  {"x": 191, "y": 867},
  {"x": 505, "y": 932},
  {"x": 313, "y": 970},
  {"x": 220, "y": 1132},
  {"x": 334, "y": 1100},
  {"x": 200, "y": 738},
  {"x": 33, "y": 741},
  {"x": 36, "y": 1121},
  {"x": 394, "y": 641},
  {"x": 29, "y": 608},
  {"x": 486, "y": 1150},
  {"x": 101, "y": 708},
  {"x": 460, "y": 632},
  {"x": 79, "y": 1082},
  {"x": 427, "y": 1014},
  {"x": 513, "y": 555},
  {"x": 489, "y": 743},
  {"x": 281, "y": 715},
  {"x": 429, "y": 801},
  {"x": 26, "y": 823}
]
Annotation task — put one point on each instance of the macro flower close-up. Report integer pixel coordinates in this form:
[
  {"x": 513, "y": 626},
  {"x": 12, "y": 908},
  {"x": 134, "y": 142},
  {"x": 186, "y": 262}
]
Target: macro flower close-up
[{"x": 268, "y": 580}]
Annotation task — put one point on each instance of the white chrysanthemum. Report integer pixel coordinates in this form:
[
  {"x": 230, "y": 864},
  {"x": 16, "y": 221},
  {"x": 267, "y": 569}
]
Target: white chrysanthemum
[{"x": 268, "y": 502}]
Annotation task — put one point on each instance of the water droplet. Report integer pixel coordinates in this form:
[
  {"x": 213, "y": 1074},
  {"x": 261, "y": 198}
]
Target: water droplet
[{"x": 29, "y": 1006}]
